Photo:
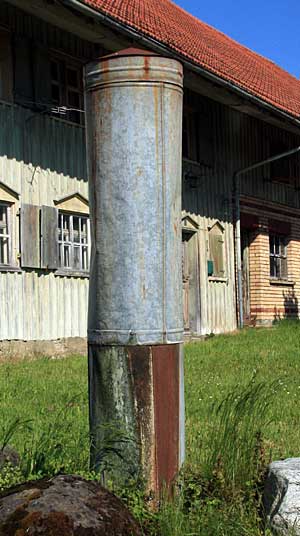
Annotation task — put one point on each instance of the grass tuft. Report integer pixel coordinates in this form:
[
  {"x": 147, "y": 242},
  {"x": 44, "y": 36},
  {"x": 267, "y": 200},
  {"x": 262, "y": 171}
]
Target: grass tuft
[{"x": 237, "y": 455}]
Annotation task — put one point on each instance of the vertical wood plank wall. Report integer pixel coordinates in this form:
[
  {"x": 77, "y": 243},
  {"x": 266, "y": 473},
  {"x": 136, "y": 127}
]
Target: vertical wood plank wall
[
  {"x": 43, "y": 159},
  {"x": 238, "y": 141}
]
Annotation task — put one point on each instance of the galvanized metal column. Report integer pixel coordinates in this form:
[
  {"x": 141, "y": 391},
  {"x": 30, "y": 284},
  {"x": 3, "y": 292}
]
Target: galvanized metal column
[{"x": 134, "y": 130}]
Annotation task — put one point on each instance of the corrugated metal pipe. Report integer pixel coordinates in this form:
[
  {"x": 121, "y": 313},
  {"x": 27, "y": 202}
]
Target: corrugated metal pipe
[{"x": 238, "y": 249}]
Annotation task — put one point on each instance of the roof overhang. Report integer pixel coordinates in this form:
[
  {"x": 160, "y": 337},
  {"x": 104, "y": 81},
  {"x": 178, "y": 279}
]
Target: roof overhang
[
  {"x": 79, "y": 22},
  {"x": 209, "y": 84},
  {"x": 114, "y": 35}
]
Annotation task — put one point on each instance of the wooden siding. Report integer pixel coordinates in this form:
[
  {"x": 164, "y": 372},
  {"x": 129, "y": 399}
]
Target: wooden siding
[
  {"x": 43, "y": 159},
  {"x": 211, "y": 201},
  {"x": 237, "y": 141},
  {"x": 273, "y": 299},
  {"x": 24, "y": 25}
]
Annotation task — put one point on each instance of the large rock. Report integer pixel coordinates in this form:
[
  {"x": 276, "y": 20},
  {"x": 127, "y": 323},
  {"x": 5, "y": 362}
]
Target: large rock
[
  {"x": 282, "y": 497},
  {"x": 64, "y": 506}
]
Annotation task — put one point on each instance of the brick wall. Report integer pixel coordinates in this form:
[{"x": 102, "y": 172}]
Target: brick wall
[{"x": 272, "y": 299}]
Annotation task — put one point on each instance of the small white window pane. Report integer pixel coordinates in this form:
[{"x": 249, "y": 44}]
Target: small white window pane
[
  {"x": 4, "y": 250},
  {"x": 3, "y": 219},
  {"x": 76, "y": 258},
  {"x": 66, "y": 228},
  {"x": 60, "y": 255},
  {"x": 75, "y": 229},
  {"x": 84, "y": 236},
  {"x": 85, "y": 264},
  {"x": 67, "y": 256},
  {"x": 4, "y": 235}
]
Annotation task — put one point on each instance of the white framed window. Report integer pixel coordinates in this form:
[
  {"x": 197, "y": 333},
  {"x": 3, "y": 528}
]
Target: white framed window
[
  {"x": 5, "y": 235},
  {"x": 278, "y": 256},
  {"x": 73, "y": 241}
]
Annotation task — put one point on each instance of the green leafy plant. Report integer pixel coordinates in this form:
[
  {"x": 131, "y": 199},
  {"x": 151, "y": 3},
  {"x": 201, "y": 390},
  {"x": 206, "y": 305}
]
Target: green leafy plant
[{"x": 10, "y": 476}]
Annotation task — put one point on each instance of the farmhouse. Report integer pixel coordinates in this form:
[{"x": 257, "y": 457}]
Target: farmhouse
[{"x": 240, "y": 232}]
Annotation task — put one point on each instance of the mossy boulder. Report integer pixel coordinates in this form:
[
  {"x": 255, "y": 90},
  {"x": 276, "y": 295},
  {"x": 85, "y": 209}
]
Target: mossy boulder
[{"x": 65, "y": 505}]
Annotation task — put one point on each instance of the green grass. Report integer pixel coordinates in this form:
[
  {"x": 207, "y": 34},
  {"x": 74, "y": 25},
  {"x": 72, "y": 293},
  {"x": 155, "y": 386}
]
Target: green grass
[
  {"x": 221, "y": 364},
  {"x": 242, "y": 395},
  {"x": 49, "y": 400}
]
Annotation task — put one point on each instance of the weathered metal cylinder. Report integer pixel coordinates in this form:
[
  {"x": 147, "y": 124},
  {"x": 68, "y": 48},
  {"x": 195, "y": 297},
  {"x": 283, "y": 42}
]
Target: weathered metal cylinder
[
  {"x": 134, "y": 132},
  {"x": 134, "y": 107}
]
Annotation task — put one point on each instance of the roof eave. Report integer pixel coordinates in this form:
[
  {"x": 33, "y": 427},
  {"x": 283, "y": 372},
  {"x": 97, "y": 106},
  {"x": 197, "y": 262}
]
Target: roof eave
[{"x": 163, "y": 49}]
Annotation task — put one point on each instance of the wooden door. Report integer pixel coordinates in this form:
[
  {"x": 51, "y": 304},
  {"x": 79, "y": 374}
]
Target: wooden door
[
  {"x": 185, "y": 284},
  {"x": 246, "y": 275}
]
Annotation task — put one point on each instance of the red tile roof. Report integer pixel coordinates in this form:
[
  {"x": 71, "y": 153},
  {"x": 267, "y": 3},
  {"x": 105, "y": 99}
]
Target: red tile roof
[{"x": 203, "y": 45}]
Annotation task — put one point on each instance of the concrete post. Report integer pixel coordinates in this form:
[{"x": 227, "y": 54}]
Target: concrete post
[{"x": 135, "y": 329}]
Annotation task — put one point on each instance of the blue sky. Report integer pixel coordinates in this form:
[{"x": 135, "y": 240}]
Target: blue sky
[{"x": 269, "y": 27}]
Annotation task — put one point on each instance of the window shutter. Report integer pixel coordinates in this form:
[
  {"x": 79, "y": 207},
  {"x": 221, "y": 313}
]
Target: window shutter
[
  {"x": 42, "y": 81},
  {"x": 23, "y": 83},
  {"x": 49, "y": 225},
  {"x": 220, "y": 256},
  {"x": 213, "y": 246},
  {"x": 216, "y": 246},
  {"x": 30, "y": 236}
]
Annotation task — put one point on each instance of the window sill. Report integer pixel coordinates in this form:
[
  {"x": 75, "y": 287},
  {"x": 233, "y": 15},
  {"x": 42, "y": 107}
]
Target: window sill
[
  {"x": 284, "y": 282},
  {"x": 4, "y": 268},
  {"x": 217, "y": 279},
  {"x": 71, "y": 273}
]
